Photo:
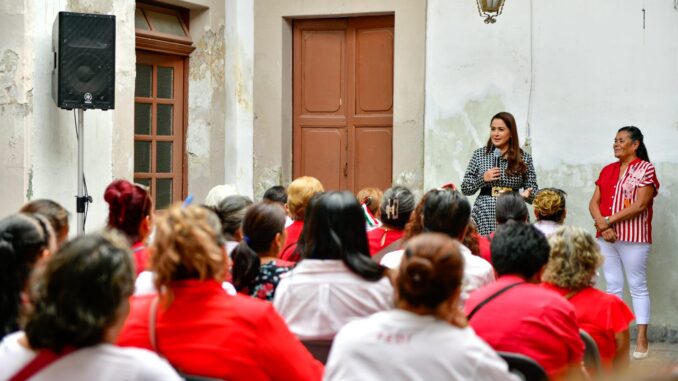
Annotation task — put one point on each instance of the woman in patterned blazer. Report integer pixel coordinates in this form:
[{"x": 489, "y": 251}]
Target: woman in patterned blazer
[{"x": 498, "y": 167}]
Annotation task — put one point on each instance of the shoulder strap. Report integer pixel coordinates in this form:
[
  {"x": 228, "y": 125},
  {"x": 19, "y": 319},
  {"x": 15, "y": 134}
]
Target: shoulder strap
[
  {"x": 152, "y": 314},
  {"x": 489, "y": 298},
  {"x": 395, "y": 245},
  {"x": 43, "y": 359}
]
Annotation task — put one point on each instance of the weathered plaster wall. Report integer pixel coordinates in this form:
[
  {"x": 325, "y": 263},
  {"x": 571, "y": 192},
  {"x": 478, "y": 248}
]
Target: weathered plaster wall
[
  {"x": 587, "y": 74},
  {"x": 43, "y": 135},
  {"x": 16, "y": 103},
  {"x": 206, "y": 96},
  {"x": 273, "y": 83}
]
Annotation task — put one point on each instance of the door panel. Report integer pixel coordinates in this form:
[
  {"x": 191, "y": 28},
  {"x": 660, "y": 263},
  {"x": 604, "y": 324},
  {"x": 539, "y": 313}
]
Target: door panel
[
  {"x": 343, "y": 101},
  {"x": 374, "y": 70},
  {"x": 323, "y": 152},
  {"x": 323, "y": 74},
  {"x": 373, "y": 160}
]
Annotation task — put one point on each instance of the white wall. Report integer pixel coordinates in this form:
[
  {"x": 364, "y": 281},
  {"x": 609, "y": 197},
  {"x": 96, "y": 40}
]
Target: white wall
[{"x": 592, "y": 69}]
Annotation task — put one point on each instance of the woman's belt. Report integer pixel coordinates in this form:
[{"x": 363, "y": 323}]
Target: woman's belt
[{"x": 495, "y": 191}]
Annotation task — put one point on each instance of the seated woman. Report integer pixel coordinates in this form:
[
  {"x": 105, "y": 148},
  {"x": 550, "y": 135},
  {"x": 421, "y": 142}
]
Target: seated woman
[
  {"x": 549, "y": 209},
  {"x": 299, "y": 193},
  {"x": 571, "y": 271},
  {"x": 24, "y": 240},
  {"x": 256, "y": 268},
  {"x": 130, "y": 211},
  {"x": 80, "y": 300},
  {"x": 370, "y": 200},
  {"x": 231, "y": 211},
  {"x": 336, "y": 280},
  {"x": 426, "y": 336},
  {"x": 396, "y": 206},
  {"x": 54, "y": 213},
  {"x": 196, "y": 325}
]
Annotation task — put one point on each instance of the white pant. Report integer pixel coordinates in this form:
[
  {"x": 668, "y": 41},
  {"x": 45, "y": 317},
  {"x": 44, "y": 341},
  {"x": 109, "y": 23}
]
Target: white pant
[{"x": 630, "y": 258}]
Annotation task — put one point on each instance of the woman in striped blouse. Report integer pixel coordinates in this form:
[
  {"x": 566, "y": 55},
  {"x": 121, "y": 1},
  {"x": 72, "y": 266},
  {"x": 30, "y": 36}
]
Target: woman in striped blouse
[
  {"x": 498, "y": 167},
  {"x": 621, "y": 208}
]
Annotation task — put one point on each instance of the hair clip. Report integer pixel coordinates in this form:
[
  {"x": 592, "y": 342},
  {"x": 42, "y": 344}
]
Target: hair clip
[
  {"x": 247, "y": 240},
  {"x": 392, "y": 209}
]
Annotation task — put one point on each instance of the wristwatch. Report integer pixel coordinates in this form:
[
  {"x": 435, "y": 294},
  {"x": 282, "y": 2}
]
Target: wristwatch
[{"x": 607, "y": 220}]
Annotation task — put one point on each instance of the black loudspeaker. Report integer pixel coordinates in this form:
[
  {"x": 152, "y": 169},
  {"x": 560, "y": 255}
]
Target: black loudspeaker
[{"x": 84, "y": 61}]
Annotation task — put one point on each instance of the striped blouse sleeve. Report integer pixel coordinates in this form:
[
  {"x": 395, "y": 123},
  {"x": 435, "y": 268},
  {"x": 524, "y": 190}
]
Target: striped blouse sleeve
[{"x": 473, "y": 180}]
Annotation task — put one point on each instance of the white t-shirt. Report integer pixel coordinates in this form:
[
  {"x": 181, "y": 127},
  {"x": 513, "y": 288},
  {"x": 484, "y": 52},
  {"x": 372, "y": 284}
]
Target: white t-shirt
[
  {"x": 318, "y": 297},
  {"x": 547, "y": 227},
  {"x": 102, "y": 362},
  {"x": 144, "y": 285},
  {"x": 477, "y": 271},
  {"x": 399, "y": 345}
]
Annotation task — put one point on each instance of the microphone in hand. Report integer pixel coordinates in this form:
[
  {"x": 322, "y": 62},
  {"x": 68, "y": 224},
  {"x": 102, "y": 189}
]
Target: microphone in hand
[{"x": 497, "y": 155}]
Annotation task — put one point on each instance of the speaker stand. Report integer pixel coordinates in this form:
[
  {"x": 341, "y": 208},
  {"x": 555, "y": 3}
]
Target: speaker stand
[{"x": 81, "y": 199}]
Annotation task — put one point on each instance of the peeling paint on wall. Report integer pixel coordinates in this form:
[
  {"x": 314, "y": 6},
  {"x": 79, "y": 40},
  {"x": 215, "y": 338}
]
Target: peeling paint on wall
[
  {"x": 208, "y": 57},
  {"x": 90, "y": 6},
  {"x": 268, "y": 177},
  {"x": 11, "y": 96},
  {"x": 451, "y": 140}
]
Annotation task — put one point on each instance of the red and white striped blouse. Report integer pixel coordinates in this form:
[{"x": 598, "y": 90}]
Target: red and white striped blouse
[{"x": 617, "y": 193}]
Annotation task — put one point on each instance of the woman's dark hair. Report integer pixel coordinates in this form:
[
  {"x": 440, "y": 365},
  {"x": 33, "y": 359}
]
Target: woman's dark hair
[
  {"x": 23, "y": 238},
  {"x": 519, "y": 248},
  {"x": 514, "y": 155},
  {"x": 335, "y": 229},
  {"x": 128, "y": 205},
  {"x": 276, "y": 193},
  {"x": 79, "y": 293},
  {"x": 446, "y": 211},
  {"x": 231, "y": 211},
  {"x": 431, "y": 270},
  {"x": 53, "y": 211},
  {"x": 511, "y": 206},
  {"x": 262, "y": 222},
  {"x": 396, "y": 206},
  {"x": 471, "y": 238},
  {"x": 637, "y": 136}
]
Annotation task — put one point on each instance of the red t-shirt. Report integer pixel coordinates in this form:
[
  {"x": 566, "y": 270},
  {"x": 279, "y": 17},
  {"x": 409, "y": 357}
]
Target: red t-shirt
[
  {"x": 484, "y": 248},
  {"x": 530, "y": 320},
  {"x": 293, "y": 234},
  {"x": 601, "y": 315},
  {"x": 140, "y": 256},
  {"x": 618, "y": 192},
  {"x": 207, "y": 332},
  {"x": 381, "y": 237}
]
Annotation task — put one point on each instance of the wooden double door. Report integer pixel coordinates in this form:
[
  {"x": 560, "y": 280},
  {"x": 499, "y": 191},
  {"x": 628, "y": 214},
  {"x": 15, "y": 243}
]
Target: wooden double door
[{"x": 343, "y": 101}]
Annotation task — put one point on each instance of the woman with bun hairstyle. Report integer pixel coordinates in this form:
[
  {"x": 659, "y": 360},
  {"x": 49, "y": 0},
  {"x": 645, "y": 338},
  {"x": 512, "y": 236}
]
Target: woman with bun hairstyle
[
  {"x": 571, "y": 271},
  {"x": 396, "y": 206},
  {"x": 501, "y": 166},
  {"x": 621, "y": 208},
  {"x": 130, "y": 211},
  {"x": 24, "y": 240},
  {"x": 256, "y": 268},
  {"x": 549, "y": 209},
  {"x": 426, "y": 336}
]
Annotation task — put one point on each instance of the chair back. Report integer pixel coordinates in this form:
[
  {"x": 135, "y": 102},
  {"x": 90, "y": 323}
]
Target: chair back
[
  {"x": 193, "y": 377},
  {"x": 524, "y": 367},
  {"x": 591, "y": 353},
  {"x": 320, "y": 349}
]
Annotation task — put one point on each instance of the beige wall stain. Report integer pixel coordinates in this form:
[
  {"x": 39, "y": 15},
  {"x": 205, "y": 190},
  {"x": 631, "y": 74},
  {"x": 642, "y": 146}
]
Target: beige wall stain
[{"x": 208, "y": 57}]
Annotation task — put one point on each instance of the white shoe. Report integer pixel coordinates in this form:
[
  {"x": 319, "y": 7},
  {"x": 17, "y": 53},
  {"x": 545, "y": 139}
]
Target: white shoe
[{"x": 641, "y": 355}]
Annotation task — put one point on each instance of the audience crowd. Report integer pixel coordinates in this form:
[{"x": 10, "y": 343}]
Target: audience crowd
[{"x": 305, "y": 284}]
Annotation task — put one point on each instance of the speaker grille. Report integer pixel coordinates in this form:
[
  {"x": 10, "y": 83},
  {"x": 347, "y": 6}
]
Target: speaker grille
[{"x": 86, "y": 60}]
